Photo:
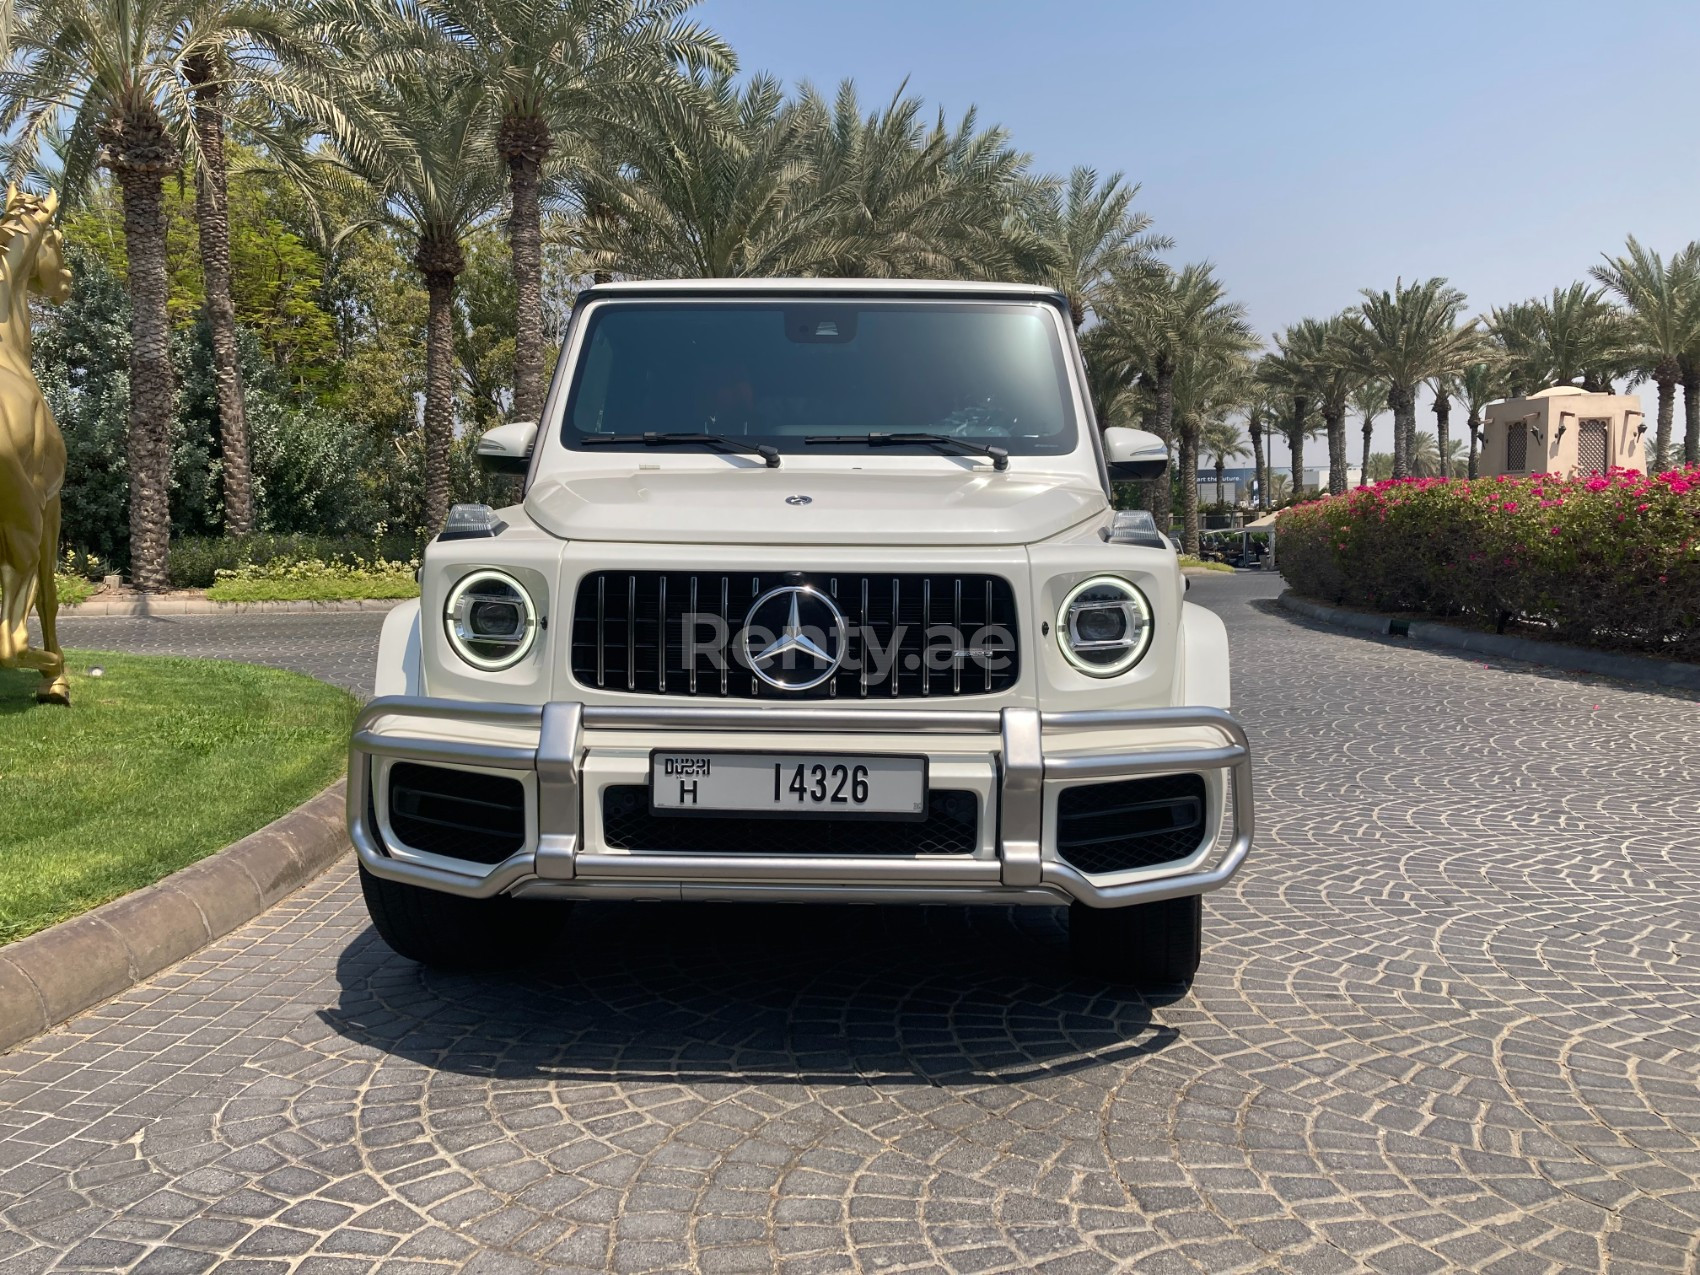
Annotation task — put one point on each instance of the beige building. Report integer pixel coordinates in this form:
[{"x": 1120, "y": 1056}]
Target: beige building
[{"x": 1564, "y": 430}]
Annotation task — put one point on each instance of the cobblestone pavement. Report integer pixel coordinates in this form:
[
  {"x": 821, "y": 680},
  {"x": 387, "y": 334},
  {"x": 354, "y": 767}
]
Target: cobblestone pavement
[
  {"x": 1449, "y": 1019},
  {"x": 334, "y": 646}
]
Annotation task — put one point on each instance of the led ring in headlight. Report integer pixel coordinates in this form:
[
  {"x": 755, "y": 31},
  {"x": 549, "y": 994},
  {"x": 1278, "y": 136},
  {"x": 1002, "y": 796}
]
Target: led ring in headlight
[
  {"x": 491, "y": 620},
  {"x": 1104, "y": 626}
]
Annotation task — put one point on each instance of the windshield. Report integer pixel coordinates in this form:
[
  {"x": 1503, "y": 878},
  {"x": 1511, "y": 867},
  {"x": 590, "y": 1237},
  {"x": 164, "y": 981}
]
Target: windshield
[{"x": 777, "y": 372}]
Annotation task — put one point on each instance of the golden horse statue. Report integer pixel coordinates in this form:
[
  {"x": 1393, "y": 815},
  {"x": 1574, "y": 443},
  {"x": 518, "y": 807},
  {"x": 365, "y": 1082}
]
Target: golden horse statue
[{"x": 32, "y": 450}]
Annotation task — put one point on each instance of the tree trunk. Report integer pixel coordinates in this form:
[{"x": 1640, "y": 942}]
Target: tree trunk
[
  {"x": 1664, "y": 376},
  {"x": 440, "y": 261},
  {"x": 1363, "y": 472},
  {"x": 1335, "y": 419},
  {"x": 1443, "y": 430},
  {"x": 525, "y": 143},
  {"x": 1163, "y": 425},
  {"x": 1691, "y": 410},
  {"x": 212, "y": 211},
  {"x": 1189, "y": 486},
  {"x": 1220, "y": 467},
  {"x": 1254, "y": 427},
  {"x": 1403, "y": 400},
  {"x": 140, "y": 153},
  {"x": 1475, "y": 426},
  {"x": 1296, "y": 445}
]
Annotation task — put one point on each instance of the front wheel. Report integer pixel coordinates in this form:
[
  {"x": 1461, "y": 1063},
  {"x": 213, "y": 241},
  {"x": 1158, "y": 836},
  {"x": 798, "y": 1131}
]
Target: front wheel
[
  {"x": 446, "y": 931},
  {"x": 1149, "y": 944}
]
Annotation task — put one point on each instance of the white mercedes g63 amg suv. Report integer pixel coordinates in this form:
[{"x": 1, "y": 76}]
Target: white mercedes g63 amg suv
[{"x": 815, "y": 592}]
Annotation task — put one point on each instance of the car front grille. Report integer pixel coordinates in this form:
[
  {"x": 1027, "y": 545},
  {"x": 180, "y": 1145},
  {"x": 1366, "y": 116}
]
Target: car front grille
[
  {"x": 458, "y": 813},
  {"x": 1132, "y": 823},
  {"x": 951, "y": 826},
  {"x": 629, "y": 633}
]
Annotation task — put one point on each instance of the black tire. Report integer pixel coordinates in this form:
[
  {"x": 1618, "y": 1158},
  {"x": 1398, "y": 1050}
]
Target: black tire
[
  {"x": 1155, "y": 945},
  {"x": 446, "y": 931}
]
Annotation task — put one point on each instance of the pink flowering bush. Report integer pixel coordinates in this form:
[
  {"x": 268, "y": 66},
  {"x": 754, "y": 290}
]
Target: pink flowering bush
[{"x": 1611, "y": 560}]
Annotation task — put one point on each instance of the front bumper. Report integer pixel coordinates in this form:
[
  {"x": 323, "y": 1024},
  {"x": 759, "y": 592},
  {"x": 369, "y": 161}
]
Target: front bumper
[{"x": 558, "y": 748}]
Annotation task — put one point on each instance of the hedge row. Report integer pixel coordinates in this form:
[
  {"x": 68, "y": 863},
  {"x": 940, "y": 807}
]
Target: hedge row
[
  {"x": 196, "y": 561},
  {"x": 1610, "y": 561}
]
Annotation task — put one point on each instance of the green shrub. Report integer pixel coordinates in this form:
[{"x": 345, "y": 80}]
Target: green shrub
[
  {"x": 197, "y": 560},
  {"x": 316, "y": 581},
  {"x": 1612, "y": 561}
]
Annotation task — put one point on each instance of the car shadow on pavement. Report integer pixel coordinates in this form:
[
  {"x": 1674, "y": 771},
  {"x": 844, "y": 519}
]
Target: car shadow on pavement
[{"x": 760, "y": 993}]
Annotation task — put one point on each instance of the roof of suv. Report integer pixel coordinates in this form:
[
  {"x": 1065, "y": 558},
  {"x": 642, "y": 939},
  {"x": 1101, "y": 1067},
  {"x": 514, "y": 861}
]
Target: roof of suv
[{"x": 824, "y": 287}]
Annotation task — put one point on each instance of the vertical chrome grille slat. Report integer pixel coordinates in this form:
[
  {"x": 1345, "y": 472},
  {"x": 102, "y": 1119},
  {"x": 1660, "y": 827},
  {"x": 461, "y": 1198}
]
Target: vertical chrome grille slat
[
  {"x": 865, "y": 631},
  {"x": 725, "y": 614},
  {"x": 661, "y": 639},
  {"x": 896, "y": 646},
  {"x": 961, "y": 639},
  {"x": 926, "y": 624},
  {"x": 631, "y": 632},
  {"x": 986, "y": 665},
  {"x": 601, "y": 635},
  {"x": 687, "y": 641},
  {"x": 832, "y": 682}
]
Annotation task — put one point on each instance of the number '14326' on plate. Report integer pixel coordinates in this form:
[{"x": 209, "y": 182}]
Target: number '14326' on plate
[{"x": 788, "y": 784}]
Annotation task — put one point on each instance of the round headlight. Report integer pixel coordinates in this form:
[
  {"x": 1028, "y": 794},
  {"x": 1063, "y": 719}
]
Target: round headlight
[
  {"x": 491, "y": 620},
  {"x": 1104, "y": 626}
]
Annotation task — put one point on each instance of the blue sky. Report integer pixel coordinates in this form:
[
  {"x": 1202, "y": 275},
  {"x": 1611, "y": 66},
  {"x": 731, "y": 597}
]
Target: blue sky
[{"x": 1310, "y": 150}]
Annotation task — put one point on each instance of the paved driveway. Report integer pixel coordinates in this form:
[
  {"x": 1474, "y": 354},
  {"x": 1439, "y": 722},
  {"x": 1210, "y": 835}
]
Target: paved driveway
[
  {"x": 334, "y": 646},
  {"x": 1449, "y": 1019}
]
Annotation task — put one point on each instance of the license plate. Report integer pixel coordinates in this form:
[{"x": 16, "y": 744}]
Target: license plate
[{"x": 788, "y": 784}]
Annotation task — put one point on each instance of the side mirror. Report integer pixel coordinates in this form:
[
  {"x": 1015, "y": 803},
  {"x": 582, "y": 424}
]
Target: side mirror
[
  {"x": 507, "y": 448},
  {"x": 1134, "y": 453}
]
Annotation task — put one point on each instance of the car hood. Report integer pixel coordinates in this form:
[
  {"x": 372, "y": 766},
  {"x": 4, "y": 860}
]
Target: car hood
[{"x": 768, "y": 506}]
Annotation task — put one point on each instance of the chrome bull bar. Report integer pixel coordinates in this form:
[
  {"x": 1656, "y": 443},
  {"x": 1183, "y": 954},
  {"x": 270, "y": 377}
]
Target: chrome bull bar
[{"x": 1024, "y": 766}]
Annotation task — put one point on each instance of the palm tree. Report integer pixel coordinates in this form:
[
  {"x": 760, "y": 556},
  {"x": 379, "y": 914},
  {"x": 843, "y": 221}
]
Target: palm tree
[
  {"x": 1261, "y": 406},
  {"x": 1478, "y": 385},
  {"x": 112, "y": 68},
  {"x": 1369, "y": 400},
  {"x": 1659, "y": 327},
  {"x": 1577, "y": 334},
  {"x": 208, "y": 61},
  {"x": 718, "y": 183},
  {"x": 1095, "y": 236},
  {"x": 1407, "y": 336},
  {"x": 1443, "y": 386},
  {"x": 1425, "y": 460},
  {"x": 563, "y": 69},
  {"x": 1310, "y": 367},
  {"x": 419, "y": 139},
  {"x": 1154, "y": 327},
  {"x": 1280, "y": 488},
  {"x": 1686, "y": 266},
  {"x": 1208, "y": 383},
  {"x": 1222, "y": 442}
]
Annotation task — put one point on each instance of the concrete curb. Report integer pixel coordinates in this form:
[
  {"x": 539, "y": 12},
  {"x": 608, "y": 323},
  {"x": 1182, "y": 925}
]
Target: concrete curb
[
  {"x": 200, "y": 606},
  {"x": 1561, "y": 655},
  {"x": 52, "y": 976}
]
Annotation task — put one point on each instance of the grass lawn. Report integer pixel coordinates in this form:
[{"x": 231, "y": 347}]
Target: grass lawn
[
  {"x": 1199, "y": 564},
  {"x": 155, "y": 765}
]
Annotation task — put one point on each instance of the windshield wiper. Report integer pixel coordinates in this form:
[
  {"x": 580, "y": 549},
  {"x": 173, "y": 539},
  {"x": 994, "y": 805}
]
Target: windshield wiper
[
  {"x": 652, "y": 439},
  {"x": 999, "y": 455}
]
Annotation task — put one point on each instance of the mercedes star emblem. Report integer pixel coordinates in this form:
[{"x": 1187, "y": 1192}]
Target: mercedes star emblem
[
  {"x": 799, "y": 500},
  {"x": 776, "y": 663}
]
